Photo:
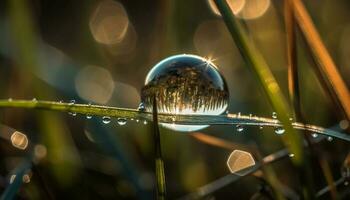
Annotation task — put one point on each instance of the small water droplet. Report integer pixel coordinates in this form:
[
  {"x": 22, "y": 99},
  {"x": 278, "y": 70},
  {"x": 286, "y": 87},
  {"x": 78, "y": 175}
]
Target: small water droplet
[
  {"x": 141, "y": 107},
  {"x": 34, "y": 100},
  {"x": 274, "y": 115},
  {"x": 145, "y": 122},
  {"x": 121, "y": 121},
  {"x": 279, "y": 130},
  {"x": 291, "y": 119},
  {"x": 346, "y": 183},
  {"x": 137, "y": 120},
  {"x": 9, "y": 99},
  {"x": 71, "y": 102},
  {"x": 239, "y": 114},
  {"x": 261, "y": 127},
  {"x": 72, "y": 113},
  {"x": 227, "y": 112},
  {"x": 314, "y": 135},
  {"x": 88, "y": 116},
  {"x": 132, "y": 119},
  {"x": 106, "y": 119},
  {"x": 250, "y": 116},
  {"x": 60, "y": 101},
  {"x": 329, "y": 139},
  {"x": 291, "y": 155},
  {"x": 239, "y": 128}
]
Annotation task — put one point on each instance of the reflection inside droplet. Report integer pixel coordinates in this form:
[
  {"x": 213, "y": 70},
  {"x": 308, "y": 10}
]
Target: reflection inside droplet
[{"x": 185, "y": 84}]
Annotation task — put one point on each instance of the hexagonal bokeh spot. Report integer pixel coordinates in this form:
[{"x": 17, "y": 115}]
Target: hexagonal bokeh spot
[{"x": 239, "y": 161}]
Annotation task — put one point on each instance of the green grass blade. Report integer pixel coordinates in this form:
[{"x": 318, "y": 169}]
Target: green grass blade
[
  {"x": 160, "y": 175},
  {"x": 229, "y": 119},
  {"x": 262, "y": 72}
]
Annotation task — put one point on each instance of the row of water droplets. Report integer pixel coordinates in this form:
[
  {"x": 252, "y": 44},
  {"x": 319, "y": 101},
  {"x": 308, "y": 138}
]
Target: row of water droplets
[
  {"x": 279, "y": 130},
  {"x": 256, "y": 121},
  {"x": 106, "y": 119}
]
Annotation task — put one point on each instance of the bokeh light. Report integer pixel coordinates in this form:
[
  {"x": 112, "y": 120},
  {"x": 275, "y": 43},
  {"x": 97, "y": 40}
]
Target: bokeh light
[
  {"x": 238, "y": 161},
  {"x": 109, "y": 22},
  {"x": 94, "y": 84},
  {"x": 246, "y": 9},
  {"x": 19, "y": 140}
]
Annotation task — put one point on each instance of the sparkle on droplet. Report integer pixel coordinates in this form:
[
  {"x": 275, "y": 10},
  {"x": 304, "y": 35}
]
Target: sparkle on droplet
[
  {"x": 88, "y": 116},
  {"x": 291, "y": 155},
  {"x": 185, "y": 84},
  {"x": 9, "y": 99},
  {"x": 239, "y": 128},
  {"x": 329, "y": 138},
  {"x": 261, "y": 127},
  {"x": 314, "y": 135},
  {"x": 72, "y": 113},
  {"x": 137, "y": 120},
  {"x": 279, "y": 130},
  {"x": 106, "y": 119},
  {"x": 145, "y": 122},
  {"x": 274, "y": 115},
  {"x": 34, "y": 100},
  {"x": 121, "y": 121}
]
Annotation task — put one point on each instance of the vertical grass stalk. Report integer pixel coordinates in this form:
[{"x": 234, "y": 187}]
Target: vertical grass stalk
[{"x": 160, "y": 175}]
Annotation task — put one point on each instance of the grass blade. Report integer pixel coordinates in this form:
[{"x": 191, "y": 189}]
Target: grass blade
[
  {"x": 160, "y": 175},
  {"x": 264, "y": 76},
  {"x": 229, "y": 119},
  {"x": 13, "y": 188},
  {"x": 326, "y": 65}
]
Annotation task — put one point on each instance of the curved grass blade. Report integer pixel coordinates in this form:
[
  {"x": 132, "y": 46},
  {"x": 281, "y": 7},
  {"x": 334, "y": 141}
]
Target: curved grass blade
[
  {"x": 264, "y": 76},
  {"x": 229, "y": 119}
]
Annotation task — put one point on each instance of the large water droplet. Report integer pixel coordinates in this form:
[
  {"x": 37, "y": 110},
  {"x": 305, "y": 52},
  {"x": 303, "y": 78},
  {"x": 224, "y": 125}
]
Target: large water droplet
[
  {"x": 106, "y": 119},
  {"x": 239, "y": 128},
  {"x": 185, "y": 84},
  {"x": 121, "y": 121},
  {"x": 279, "y": 130}
]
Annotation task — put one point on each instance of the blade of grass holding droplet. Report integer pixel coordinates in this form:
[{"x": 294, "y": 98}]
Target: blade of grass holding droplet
[
  {"x": 159, "y": 163},
  {"x": 305, "y": 174},
  {"x": 12, "y": 189},
  {"x": 326, "y": 66},
  {"x": 264, "y": 76},
  {"x": 231, "y": 178},
  {"x": 229, "y": 119}
]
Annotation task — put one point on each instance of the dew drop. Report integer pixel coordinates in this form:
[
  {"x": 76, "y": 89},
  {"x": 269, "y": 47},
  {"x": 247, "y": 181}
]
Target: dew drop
[
  {"x": 346, "y": 183},
  {"x": 261, "y": 127},
  {"x": 88, "y": 116},
  {"x": 279, "y": 130},
  {"x": 314, "y": 135},
  {"x": 239, "y": 128},
  {"x": 274, "y": 115},
  {"x": 141, "y": 107},
  {"x": 137, "y": 120},
  {"x": 106, "y": 119},
  {"x": 291, "y": 119},
  {"x": 145, "y": 122},
  {"x": 34, "y": 100},
  {"x": 291, "y": 155},
  {"x": 10, "y": 99},
  {"x": 185, "y": 84},
  {"x": 72, "y": 113},
  {"x": 329, "y": 139},
  {"x": 71, "y": 102},
  {"x": 121, "y": 121}
]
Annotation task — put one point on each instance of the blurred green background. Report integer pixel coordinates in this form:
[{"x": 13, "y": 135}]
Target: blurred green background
[{"x": 100, "y": 51}]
